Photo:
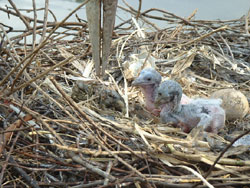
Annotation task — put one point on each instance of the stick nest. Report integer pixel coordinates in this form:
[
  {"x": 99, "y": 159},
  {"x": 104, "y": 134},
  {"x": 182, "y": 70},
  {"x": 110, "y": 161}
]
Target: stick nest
[{"x": 49, "y": 139}]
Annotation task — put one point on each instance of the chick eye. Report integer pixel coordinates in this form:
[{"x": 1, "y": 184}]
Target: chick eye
[
  {"x": 159, "y": 94},
  {"x": 148, "y": 79}
]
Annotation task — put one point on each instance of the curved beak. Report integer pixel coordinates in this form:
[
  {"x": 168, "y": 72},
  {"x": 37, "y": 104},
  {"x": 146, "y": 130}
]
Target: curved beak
[{"x": 137, "y": 82}]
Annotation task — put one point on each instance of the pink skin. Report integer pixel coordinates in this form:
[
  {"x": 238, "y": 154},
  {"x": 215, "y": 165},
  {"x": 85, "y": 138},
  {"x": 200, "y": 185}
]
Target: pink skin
[
  {"x": 199, "y": 112},
  {"x": 215, "y": 111},
  {"x": 148, "y": 92},
  {"x": 149, "y": 88},
  {"x": 149, "y": 80},
  {"x": 218, "y": 119},
  {"x": 185, "y": 99}
]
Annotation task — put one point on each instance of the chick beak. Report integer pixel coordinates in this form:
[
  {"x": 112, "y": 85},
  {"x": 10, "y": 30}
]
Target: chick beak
[{"x": 137, "y": 82}]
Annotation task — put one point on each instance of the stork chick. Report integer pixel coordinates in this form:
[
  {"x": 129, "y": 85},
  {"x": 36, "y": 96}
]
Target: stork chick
[
  {"x": 200, "y": 112},
  {"x": 149, "y": 80}
]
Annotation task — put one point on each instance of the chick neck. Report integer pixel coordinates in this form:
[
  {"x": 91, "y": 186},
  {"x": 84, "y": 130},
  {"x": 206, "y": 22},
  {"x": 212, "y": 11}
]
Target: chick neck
[{"x": 149, "y": 92}]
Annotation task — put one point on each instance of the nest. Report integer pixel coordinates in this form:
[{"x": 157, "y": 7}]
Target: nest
[{"x": 48, "y": 139}]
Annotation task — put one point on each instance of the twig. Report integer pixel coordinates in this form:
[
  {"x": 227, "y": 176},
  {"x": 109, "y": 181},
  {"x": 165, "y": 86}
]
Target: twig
[
  {"x": 41, "y": 75},
  {"x": 20, "y": 15},
  {"x": 34, "y": 24},
  {"x": 33, "y": 183},
  {"x": 4, "y": 166},
  {"x": 32, "y": 55},
  {"x": 221, "y": 154},
  {"x": 45, "y": 19},
  {"x": 97, "y": 127}
]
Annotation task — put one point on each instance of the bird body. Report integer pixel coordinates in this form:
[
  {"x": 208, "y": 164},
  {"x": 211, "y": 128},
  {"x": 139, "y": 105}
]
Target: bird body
[
  {"x": 149, "y": 80},
  {"x": 106, "y": 98},
  {"x": 200, "y": 112}
]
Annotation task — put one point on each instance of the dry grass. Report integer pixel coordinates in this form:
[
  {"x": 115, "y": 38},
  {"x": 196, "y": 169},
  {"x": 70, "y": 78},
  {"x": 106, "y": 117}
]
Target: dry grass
[{"x": 48, "y": 137}]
